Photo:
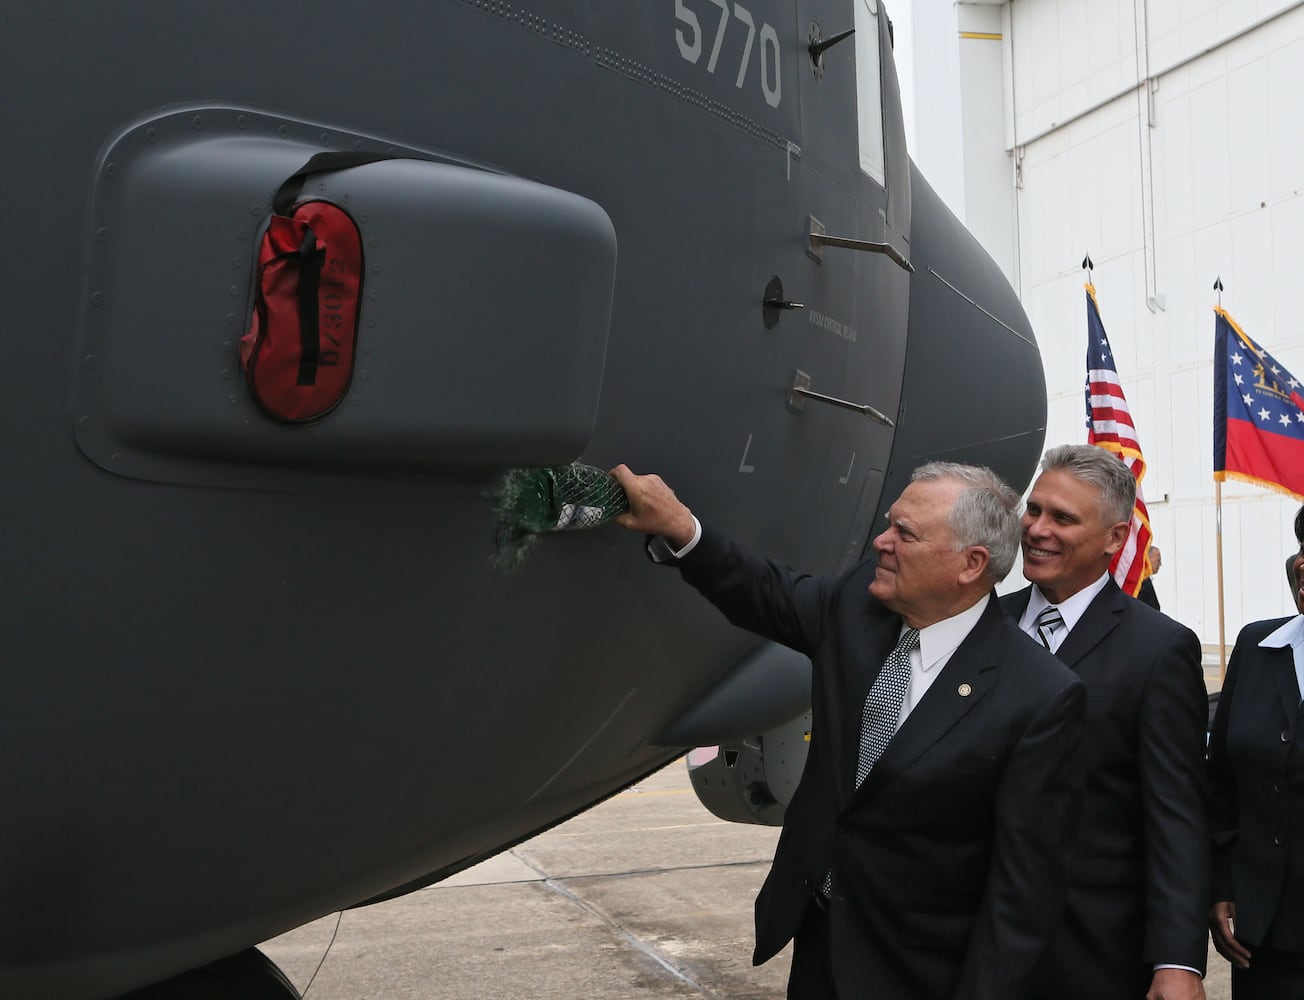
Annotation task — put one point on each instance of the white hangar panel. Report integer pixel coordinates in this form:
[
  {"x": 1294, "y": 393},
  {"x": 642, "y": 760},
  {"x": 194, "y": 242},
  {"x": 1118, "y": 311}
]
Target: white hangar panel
[
  {"x": 1067, "y": 58},
  {"x": 1251, "y": 243},
  {"x": 1163, "y": 137},
  {"x": 1285, "y": 96},
  {"x": 1188, "y": 298},
  {"x": 1248, "y": 136},
  {"x": 1194, "y": 569},
  {"x": 1210, "y": 158},
  {"x": 1036, "y": 70},
  {"x": 1065, "y": 419},
  {"x": 1174, "y": 137},
  {"x": 1191, "y": 458},
  {"x": 1213, "y": 258},
  {"x": 1257, "y": 536},
  {"x": 1063, "y": 339},
  {"x": 1114, "y": 208},
  {"x": 1182, "y": 29},
  {"x": 1073, "y": 63},
  {"x": 1087, "y": 178}
]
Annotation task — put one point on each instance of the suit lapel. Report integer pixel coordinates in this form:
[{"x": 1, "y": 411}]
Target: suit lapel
[
  {"x": 881, "y": 629},
  {"x": 1103, "y": 615},
  {"x": 878, "y": 637},
  {"x": 963, "y": 682},
  {"x": 1281, "y": 664},
  {"x": 1017, "y": 603}
]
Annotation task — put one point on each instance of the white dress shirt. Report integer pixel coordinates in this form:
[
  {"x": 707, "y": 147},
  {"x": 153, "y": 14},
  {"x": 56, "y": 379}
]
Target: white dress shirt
[
  {"x": 1071, "y": 609},
  {"x": 937, "y": 642},
  {"x": 1291, "y": 634}
]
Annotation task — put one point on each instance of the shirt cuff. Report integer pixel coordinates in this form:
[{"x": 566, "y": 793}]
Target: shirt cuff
[
  {"x": 692, "y": 542},
  {"x": 1184, "y": 968},
  {"x": 659, "y": 550}
]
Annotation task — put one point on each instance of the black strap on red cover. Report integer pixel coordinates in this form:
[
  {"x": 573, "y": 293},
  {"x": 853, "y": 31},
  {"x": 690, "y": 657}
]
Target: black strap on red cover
[
  {"x": 319, "y": 163},
  {"x": 298, "y": 354},
  {"x": 311, "y": 260}
]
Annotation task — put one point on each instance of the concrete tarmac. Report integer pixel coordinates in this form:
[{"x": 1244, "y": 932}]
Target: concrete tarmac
[{"x": 646, "y": 896}]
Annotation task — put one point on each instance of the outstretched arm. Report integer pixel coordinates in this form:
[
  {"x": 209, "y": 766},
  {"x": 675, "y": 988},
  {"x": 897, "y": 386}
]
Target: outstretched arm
[{"x": 757, "y": 594}]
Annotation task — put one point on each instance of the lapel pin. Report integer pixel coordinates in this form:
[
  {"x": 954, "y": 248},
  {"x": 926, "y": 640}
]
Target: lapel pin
[{"x": 965, "y": 690}]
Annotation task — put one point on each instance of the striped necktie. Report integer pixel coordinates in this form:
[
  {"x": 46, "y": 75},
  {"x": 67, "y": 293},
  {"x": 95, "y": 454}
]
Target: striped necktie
[
  {"x": 882, "y": 711},
  {"x": 1047, "y": 622}
]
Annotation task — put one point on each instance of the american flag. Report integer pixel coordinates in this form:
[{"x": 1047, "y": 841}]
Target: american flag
[{"x": 1109, "y": 426}]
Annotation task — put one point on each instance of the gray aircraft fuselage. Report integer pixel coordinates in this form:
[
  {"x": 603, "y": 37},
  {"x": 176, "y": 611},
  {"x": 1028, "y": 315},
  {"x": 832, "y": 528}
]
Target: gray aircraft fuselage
[{"x": 256, "y": 672}]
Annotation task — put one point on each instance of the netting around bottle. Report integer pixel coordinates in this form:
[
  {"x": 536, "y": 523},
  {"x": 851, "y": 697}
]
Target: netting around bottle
[{"x": 529, "y": 502}]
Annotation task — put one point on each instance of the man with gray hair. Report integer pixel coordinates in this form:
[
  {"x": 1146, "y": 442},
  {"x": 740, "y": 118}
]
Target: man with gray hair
[
  {"x": 1134, "y": 925},
  {"x": 921, "y": 855}
]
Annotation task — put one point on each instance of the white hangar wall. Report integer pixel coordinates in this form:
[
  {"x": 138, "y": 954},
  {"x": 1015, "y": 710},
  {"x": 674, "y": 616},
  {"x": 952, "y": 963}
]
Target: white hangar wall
[{"x": 1165, "y": 138}]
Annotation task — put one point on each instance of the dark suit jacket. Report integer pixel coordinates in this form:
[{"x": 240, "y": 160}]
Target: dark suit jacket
[
  {"x": 1147, "y": 595},
  {"x": 1256, "y": 784},
  {"x": 947, "y": 868},
  {"x": 1138, "y": 882}
]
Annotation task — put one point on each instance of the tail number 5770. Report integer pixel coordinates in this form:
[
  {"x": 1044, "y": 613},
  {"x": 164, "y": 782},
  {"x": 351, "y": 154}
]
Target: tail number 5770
[{"x": 688, "y": 33}]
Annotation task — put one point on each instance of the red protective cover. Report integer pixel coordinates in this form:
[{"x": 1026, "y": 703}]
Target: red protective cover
[{"x": 299, "y": 352}]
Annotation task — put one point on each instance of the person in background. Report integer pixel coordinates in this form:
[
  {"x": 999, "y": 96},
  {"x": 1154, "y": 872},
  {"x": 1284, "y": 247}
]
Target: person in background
[
  {"x": 1256, "y": 784},
  {"x": 921, "y": 855},
  {"x": 1147, "y": 595},
  {"x": 1138, "y": 898}
]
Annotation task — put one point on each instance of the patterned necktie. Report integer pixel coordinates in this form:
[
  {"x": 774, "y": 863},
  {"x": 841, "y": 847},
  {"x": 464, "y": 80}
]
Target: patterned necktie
[
  {"x": 878, "y": 723},
  {"x": 1047, "y": 622},
  {"x": 882, "y": 711}
]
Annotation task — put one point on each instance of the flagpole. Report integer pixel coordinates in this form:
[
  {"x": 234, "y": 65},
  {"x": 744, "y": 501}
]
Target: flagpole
[
  {"x": 1222, "y": 629},
  {"x": 1217, "y": 488}
]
